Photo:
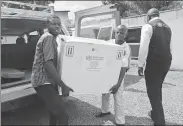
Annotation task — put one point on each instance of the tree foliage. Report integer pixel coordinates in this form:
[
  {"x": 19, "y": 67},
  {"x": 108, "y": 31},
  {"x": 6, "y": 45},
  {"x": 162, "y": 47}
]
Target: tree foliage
[
  {"x": 131, "y": 8},
  {"x": 38, "y": 2}
]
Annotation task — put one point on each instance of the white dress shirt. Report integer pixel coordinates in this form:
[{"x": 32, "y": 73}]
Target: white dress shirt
[
  {"x": 146, "y": 34},
  {"x": 126, "y": 54}
]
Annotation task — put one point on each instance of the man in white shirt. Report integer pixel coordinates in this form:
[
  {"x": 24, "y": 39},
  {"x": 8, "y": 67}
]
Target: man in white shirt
[
  {"x": 155, "y": 53},
  {"x": 117, "y": 90}
]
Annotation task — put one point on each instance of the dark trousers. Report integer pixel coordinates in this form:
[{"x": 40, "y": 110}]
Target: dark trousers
[
  {"x": 155, "y": 74},
  {"x": 49, "y": 94}
]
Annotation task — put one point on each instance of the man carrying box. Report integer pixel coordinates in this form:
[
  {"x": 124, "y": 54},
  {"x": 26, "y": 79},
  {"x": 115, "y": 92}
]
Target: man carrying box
[
  {"x": 45, "y": 77},
  {"x": 117, "y": 90}
]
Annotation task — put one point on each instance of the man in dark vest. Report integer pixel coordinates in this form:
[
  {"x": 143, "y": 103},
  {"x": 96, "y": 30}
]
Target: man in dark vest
[{"x": 155, "y": 52}]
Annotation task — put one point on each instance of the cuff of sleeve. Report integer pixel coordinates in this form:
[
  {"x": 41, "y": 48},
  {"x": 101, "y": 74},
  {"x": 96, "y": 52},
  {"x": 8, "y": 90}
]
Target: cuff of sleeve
[
  {"x": 140, "y": 64},
  {"x": 48, "y": 59},
  {"x": 125, "y": 63}
]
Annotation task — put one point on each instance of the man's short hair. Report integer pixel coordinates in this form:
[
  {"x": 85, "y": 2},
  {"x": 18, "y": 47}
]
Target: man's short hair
[{"x": 50, "y": 18}]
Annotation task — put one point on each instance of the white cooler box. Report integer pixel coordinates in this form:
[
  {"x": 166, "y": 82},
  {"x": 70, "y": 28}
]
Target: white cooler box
[{"x": 88, "y": 66}]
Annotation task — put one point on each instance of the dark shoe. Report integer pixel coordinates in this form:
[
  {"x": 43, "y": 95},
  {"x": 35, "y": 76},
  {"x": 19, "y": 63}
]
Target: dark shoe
[
  {"x": 52, "y": 120},
  {"x": 120, "y": 124},
  {"x": 103, "y": 114},
  {"x": 150, "y": 115},
  {"x": 63, "y": 120},
  {"x": 155, "y": 123}
]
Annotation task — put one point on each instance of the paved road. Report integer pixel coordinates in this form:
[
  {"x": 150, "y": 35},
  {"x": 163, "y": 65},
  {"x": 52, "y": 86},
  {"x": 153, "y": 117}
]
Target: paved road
[{"x": 82, "y": 108}]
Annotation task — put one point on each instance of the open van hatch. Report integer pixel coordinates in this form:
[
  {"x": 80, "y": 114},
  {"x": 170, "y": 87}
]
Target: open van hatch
[
  {"x": 10, "y": 73},
  {"x": 12, "y": 81}
]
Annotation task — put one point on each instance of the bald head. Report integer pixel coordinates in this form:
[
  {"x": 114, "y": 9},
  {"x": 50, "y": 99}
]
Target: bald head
[
  {"x": 153, "y": 12},
  {"x": 122, "y": 28},
  {"x": 121, "y": 34}
]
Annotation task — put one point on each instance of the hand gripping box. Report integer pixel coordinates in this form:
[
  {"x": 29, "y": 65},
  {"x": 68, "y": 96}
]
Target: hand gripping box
[{"x": 88, "y": 66}]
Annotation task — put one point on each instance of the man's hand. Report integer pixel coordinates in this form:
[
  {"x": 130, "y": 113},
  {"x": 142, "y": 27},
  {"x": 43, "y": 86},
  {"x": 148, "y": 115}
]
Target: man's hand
[
  {"x": 65, "y": 90},
  {"x": 114, "y": 89},
  {"x": 140, "y": 71},
  {"x": 127, "y": 69}
]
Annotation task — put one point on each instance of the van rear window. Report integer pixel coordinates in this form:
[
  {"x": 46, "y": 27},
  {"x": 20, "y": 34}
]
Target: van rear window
[
  {"x": 89, "y": 33},
  {"x": 134, "y": 35},
  {"x": 105, "y": 33}
]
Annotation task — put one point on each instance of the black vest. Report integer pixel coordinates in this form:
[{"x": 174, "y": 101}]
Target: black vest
[{"x": 159, "y": 46}]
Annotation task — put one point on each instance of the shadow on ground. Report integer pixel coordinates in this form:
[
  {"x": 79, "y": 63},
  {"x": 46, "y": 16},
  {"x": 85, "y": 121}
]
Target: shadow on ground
[
  {"x": 131, "y": 79},
  {"x": 134, "y": 79},
  {"x": 134, "y": 90},
  {"x": 29, "y": 115},
  {"x": 80, "y": 113},
  {"x": 168, "y": 85}
]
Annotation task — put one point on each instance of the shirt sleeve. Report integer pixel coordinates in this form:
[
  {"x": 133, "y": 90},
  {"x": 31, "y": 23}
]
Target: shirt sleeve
[
  {"x": 59, "y": 51},
  {"x": 48, "y": 48},
  {"x": 127, "y": 56},
  {"x": 171, "y": 46},
  {"x": 58, "y": 40},
  {"x": 146, "y": 34}
]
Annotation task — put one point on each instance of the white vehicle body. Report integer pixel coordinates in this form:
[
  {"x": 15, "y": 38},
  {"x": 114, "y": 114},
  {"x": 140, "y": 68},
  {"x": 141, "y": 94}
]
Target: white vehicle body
[
  {"x": 173, "y": 18},
  {"x": 16, "y": 21}
]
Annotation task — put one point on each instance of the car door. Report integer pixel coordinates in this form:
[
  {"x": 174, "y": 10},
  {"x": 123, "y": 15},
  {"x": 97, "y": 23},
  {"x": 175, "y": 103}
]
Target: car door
[
  {"x": 133, "y": 39},
  {"x": 105, "y": 33}
]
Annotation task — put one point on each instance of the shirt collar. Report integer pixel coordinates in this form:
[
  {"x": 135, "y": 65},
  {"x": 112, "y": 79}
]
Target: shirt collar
[
  {"x": 113, "y": 41},
  {"x": 124, "y": 43},
  {"x": 154, "y": 19}
]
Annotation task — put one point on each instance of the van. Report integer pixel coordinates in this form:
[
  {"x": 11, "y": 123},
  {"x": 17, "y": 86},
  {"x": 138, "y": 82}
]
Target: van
[{"x": 107, "y": 33}]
